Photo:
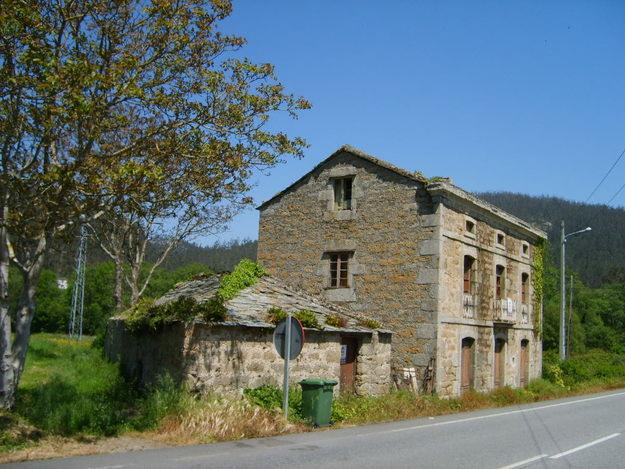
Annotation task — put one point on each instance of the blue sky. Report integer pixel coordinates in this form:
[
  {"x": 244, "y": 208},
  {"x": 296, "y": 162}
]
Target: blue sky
[{"x": 519, "y": 96}]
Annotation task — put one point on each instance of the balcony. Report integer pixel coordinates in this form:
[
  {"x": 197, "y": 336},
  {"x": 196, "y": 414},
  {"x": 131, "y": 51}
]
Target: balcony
[
  {"x": 505, "y": 310},
  {"x": 469, "y": 306}
]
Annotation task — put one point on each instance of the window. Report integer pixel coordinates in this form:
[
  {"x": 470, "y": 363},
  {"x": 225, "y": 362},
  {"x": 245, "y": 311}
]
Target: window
[
  {"x": 470, "y": 226},
  {"x": 339, "y": 270},
  {"x": 343, "y": 193},
  {"x": 500, "y": 281},
  {"x": 469, "y": 274},
  {"x": 525, "y": 278},
  {"x": 525, "y": 249},
  {"x": 501, "y": 239}
]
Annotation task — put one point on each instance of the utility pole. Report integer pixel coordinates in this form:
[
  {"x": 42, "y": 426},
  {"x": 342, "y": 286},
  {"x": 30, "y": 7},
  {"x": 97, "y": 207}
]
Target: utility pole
[
  {"x": 569, "y": 329},
  {"x": 563, "y": 237},
  {"x": 78, "y": 295},
  {"x": 562, "y": 342}
]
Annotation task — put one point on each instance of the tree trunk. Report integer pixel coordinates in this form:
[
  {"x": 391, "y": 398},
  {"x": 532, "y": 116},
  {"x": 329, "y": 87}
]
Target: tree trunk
[
  {"x": 23, "y": 320},
  {"x": 119, "y": 279},
  {"x": 7, "y": 388}
]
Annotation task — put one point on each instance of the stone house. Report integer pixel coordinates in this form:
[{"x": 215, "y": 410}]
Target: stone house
[
  {"x": 239, "y": 353},
  {"x": 451, "y": 275}
]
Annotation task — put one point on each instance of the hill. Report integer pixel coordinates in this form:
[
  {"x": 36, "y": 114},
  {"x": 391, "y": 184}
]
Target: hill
[{"x": 598, "y": 256}]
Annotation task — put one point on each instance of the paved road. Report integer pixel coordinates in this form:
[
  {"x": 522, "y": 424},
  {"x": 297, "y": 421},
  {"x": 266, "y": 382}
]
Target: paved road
[{"x": 581, "y": 432}]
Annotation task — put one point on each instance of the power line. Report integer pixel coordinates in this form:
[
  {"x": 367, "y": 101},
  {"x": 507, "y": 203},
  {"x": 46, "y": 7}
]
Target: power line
[
  {"x": 617, "y": 193},
  {"x": 606, "y": 176}
]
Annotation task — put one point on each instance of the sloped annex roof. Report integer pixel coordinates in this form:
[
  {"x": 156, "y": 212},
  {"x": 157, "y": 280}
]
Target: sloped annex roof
[
  {"x": 438, "y": 186},
  {"x": 249, "y": 307}
]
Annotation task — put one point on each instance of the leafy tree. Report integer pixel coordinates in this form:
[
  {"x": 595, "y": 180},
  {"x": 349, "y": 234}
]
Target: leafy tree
[
  {"x": 52, "y": 305},
  {"x": 105, "y": 107}
]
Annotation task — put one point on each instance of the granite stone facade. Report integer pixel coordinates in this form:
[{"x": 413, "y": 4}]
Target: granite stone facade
[
  {"x": 228, "y": 359},
  {"x": 406, "y": 239}
]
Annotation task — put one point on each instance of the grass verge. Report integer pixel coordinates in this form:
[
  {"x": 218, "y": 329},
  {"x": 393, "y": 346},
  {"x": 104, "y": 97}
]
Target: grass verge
[{"x": 72, "y": 401}]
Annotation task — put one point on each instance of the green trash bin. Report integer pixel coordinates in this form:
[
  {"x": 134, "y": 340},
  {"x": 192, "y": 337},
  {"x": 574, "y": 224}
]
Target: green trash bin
[{"x": 317, "y": 400}]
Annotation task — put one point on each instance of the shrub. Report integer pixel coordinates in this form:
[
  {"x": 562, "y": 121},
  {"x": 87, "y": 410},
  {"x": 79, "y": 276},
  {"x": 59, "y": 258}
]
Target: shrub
[
  {"x": 275, "y": 315},
  {"x": 306, "y": 317},
  {"x": 335, "y": 320},
  {"x": 370, "y": 323},
  {"x": 270, "y": 398},
  {"x": 244, "y": 275},
  {"x": 146, "y": 315}
]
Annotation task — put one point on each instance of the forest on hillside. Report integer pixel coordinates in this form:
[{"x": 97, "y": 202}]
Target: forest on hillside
[{"x": 598, "y": 257}]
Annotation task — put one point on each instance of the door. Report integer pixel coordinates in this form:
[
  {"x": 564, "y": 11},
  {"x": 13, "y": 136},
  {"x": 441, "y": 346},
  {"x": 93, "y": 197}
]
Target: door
[
  {"x": 525, "y": 363},
  {"x": 466, "y": 373},
  {"x": 499, "y": 362},
  {"x": 349, "y": 353}
]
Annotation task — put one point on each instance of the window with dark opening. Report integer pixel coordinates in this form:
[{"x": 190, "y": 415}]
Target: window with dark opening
[
  {"x": 525, "y": 249},
  {"x": 339, "y": 270},
  {"x": 500, "y": 239},
  {"x": 469, "y": 264},
  {"x": 500, "y": 274},
  {"x": 524, "y": 287},
  {"x": 470, "y": 227},
  {"x": 343, "y": 193}
]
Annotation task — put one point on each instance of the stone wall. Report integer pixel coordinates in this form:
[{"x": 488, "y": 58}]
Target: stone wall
[
  {"x": 389, "y": 231},
  {"x": 228, "y": 359},
  {"x": 457, "y": 321}
]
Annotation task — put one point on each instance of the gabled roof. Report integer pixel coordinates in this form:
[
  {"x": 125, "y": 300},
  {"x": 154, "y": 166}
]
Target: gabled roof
[
  {"x": 249, "y": 307},
  {"x": 435, "y": 186},
  {"x": 415, "y": 176}
]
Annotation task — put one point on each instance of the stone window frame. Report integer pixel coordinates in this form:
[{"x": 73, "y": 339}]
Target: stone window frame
[
  {"x": 529, "y": 287},
  {"x": 470, "y": 221},
  {"x": 339, "y": 182},
  {"x": 525, "y": 249},
  {"x": 348, "y": 279},
  {"x": 503, "y": 287},
  {"x": 500, "y": 235},
  {"x": 499, "y": 335}
]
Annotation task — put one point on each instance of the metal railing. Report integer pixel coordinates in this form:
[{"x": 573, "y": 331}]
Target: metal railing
[
  {"x": 505, "y": 310},
  {"x": 469, "y": 306}
]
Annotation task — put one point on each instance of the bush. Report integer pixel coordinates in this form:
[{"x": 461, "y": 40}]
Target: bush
[
  {"x": 275, "y": 315},
  {"x": 335, "y": 320},
  {"x": 306, "y": 317},
  {"x": 270, "y": 398},
  {"x": 146, "y": 315},
  {"x": 244, "y": 275},
  {"x": 370, "y": 323}
]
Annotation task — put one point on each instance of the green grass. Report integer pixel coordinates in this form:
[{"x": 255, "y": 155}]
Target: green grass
[{"x": 70, "y": 389}]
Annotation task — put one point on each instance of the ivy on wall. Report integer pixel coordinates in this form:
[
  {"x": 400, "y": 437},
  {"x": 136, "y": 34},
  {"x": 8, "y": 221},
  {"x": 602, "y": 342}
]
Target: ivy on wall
[{"x": 538, "y": 282}]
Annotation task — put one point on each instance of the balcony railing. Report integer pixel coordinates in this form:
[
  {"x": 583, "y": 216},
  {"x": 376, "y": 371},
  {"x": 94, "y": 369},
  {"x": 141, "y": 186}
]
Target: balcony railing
[
  {"x": 469, "y": 306},
  {"x": 505, "y": 310}
]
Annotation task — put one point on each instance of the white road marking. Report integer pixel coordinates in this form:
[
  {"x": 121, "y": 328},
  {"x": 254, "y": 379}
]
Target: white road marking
[
  {"x": 587, "y": 445},
  {"x": 501, "y": 414},
  {"x": 524, "y": 462}
]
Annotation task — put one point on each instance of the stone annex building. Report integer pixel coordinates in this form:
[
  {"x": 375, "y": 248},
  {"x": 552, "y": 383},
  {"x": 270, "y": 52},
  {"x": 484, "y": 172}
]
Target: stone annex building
[{"x": 451, "y": 275}]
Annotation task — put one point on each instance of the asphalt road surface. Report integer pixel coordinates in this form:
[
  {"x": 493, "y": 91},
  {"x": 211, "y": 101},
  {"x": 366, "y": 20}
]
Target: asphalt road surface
[{"x": 580, "y": 432}]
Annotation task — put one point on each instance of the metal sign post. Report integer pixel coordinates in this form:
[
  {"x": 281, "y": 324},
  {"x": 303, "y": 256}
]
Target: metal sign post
[
  {"x": 288, "y": 339},
  {"x": 287, "y": 354}
]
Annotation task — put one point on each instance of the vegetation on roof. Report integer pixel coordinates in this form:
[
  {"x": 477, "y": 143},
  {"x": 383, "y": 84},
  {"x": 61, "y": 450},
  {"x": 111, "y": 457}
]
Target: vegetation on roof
[
  {"x": 336, "y": 320},
  {"x": 245, "y": 274},
  {"x": 306, "y": 317},
  {"x": 145, "y": 315}
]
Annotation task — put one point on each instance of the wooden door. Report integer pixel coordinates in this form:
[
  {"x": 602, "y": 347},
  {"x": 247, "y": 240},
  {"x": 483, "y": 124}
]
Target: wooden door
[
  {"x": 349, "y": 353},
  {"x": 525, "y": 363},
  {"x": 466, "y": 367},
  {"x": 499, "y": 363}
]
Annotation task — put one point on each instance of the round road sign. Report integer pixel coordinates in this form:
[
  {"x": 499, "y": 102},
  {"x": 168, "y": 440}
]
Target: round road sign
[{"x": 297, "y": 338}]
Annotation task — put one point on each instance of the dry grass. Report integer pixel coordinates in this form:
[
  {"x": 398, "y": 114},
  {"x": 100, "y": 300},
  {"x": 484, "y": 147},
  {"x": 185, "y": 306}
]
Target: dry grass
[{"x": 221, "y": 419}]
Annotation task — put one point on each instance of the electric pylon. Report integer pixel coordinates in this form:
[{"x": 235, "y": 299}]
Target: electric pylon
[{"x": 78, "y": 295}]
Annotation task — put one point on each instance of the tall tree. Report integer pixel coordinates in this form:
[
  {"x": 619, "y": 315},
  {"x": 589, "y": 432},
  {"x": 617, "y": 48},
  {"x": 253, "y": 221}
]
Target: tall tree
[{"x": 99, "y": 102}]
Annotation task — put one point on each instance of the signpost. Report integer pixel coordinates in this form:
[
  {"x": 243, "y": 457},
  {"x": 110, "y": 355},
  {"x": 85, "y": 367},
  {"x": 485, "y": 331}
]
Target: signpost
[{"x": 288, "y": 339}]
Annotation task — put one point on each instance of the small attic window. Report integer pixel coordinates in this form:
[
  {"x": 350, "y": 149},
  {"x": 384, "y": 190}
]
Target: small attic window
[
  {"x": 343, "y": 193},
  {"x": 525, "y": 250},
  {"x": 500, "y": 240}
]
